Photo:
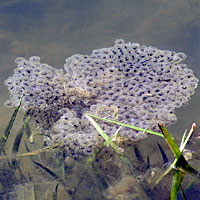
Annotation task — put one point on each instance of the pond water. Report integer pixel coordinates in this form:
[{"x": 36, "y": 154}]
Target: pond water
[{"x": 57, "y": 29}]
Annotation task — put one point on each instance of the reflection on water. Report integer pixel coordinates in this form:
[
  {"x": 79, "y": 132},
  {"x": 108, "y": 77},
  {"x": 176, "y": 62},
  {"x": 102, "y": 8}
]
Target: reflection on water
[{"x": 55, "y": 30}]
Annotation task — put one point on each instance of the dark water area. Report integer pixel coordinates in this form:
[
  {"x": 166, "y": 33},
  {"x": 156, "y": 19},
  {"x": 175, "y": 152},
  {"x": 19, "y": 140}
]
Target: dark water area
[{"x": 56, "y": 30}]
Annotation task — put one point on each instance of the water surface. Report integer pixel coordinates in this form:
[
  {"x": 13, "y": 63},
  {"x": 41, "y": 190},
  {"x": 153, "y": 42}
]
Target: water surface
[{"x": 56, "y": 29}]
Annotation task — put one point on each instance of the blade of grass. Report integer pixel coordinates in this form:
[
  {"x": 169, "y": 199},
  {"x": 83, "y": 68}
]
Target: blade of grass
[
  {"x": 111, "y": 143},
  {"x": 178, "y": 175},
  {"x": 55, "y": 193},
  {"x": 165, "y": 173},
  {"x": 183, "y": 165},
  {"x": 17, "y": 141},
  {"x": 55, "y": 176},
  {"x": 8, "y": 162},
  {"x": 93, "y": 156},
  {"x": 126, "y": 125},
  {"x": 188, "y": 137},
  {"x": 170, "y": 141},
  {"x": 9, "y": 127},
  {"x": 176, "y": 183},
  {"x": 164, "y": 156},
  {"x": 48, "y": 171},
  {"x": 148, "y": 163},
  {"x": 183, "y": 193},
  {"x": 183, "y": 138},
  {"x": 33, "y": 191},
  {"x": 173, "y": 146},
  {"x": 41, "y": 150},
  {"x": 22, "y": 176},
  {"x": 139, "y": 156},
  {"x": 179, "y": 163},
  {"x": 19, "y": 135},
  {"x": 28, "y": 131},
  {"x": 135, "y": 172}
]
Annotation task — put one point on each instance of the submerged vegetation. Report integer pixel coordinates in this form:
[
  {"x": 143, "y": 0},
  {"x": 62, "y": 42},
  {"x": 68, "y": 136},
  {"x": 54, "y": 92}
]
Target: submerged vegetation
[
  {"x": 92, "y": 117},
  {"x": 109, "y": 173}
]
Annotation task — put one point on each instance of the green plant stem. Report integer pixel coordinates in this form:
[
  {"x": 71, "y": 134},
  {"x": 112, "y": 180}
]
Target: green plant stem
[{"x": 176, "y": 183}]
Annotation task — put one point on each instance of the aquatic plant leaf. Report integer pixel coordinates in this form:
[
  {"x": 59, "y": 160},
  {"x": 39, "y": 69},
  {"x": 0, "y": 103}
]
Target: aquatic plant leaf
[
  {"x": 7, "y": 161},
  {"x": 166, "y": 172},
  {"x": 180, "y": 164},
  {"x": 188, "y": 137},
  {"x": 93, "y": 156},
  {"x": 22, "y": 176},
  {"x": 47, "y": 170},
  {"x": 183, "y": 138},
  {"x": 105, "y": 136},
  {"x": 15, "y": 162},
  {"x": 183, "y": 193},
  {"x": 55, "y": 192},
  {"x": 28, "y": 131},
  {"x": 9, "y": 127},
  {"x": 176, "y": 183},
  {"x": 26, "y": 147},
  {"x": 95, "y": 153},
  {"x": 112, "y": 144},
  {"x": 55, "y": 176},
  {"x": 126, "y": 125},
  {"x": 164, "y": 156},
  {"x": 14, "y": 165},
  {"x": 138, "y": 155},
  {"x": 170, "y": 141},
  {"x": 148, "y": 163},
  {"x": 183, "y": 165},
  {"x": 41, "y": 150},
  {"x": 134, "y": 171},
  {"x": 19, "y": 135}
]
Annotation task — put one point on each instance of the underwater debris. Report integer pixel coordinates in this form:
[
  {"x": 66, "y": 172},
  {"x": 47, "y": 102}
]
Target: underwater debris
[{"x": 143, "y": 84}]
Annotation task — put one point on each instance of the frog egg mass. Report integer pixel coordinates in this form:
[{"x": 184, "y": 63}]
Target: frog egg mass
[{"x": 134, "y": 84}]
